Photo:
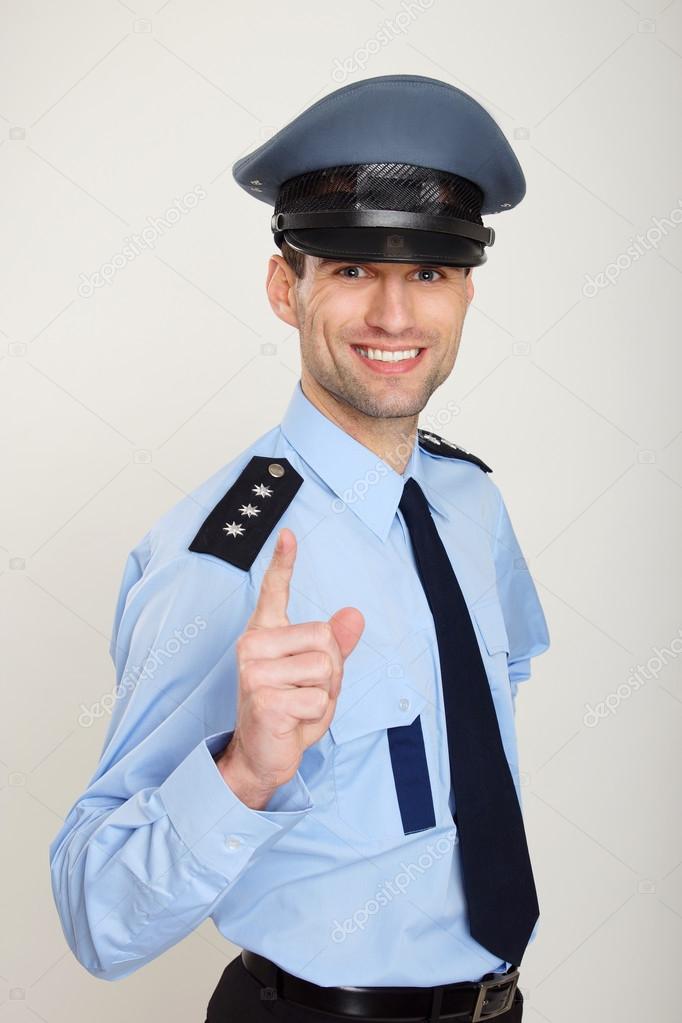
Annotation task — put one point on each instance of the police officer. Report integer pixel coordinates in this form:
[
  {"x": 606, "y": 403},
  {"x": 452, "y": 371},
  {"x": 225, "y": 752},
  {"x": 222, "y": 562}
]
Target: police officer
[{"x": 318, "y": 651}]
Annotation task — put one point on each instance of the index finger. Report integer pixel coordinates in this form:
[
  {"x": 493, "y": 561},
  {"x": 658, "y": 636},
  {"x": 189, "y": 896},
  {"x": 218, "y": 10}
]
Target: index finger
[{"x": 273, "y": 597}]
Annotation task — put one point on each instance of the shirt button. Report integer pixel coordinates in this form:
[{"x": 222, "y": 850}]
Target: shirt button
[
  {"x": 232, "y": 842},
  {"x": 404, "y": 704}
]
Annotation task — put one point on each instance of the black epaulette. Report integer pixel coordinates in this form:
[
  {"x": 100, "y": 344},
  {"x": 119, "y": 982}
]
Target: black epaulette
[
  {"x": 245, "y": 517},
  {"x": 440, "y": 446}
]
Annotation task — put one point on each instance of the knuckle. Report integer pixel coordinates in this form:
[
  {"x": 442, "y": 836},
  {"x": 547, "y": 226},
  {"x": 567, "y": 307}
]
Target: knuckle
[
  {"x": 323, "y": 633},
  {"x": 321, "y": 700},
  {"x": 262, "y": 701},
  {"x": 324, "y": 665},
  {"x": 249, "y": 676},
  {"x": 243, "y": 646}
]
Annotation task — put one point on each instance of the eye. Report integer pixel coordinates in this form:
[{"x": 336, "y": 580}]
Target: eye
[
  {"x": 429, "y": 270},
  {"x": 357, "y": 271},
  {"x": 343, "y": 269}
]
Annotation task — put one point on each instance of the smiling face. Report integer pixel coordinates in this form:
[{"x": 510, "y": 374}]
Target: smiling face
[{"x": 379, "y": 336}]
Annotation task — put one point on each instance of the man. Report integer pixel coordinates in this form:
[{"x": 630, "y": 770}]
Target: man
[{"x": 317, "y": 652}]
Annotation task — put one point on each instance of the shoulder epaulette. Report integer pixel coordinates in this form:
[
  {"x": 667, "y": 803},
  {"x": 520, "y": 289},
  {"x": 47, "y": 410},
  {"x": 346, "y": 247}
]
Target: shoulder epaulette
[
  {"x": 245, "y": 517},
  {"x": 440, "y": 446}
]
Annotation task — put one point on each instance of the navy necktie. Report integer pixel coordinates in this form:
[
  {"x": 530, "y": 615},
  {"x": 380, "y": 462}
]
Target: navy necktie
[{"x": 496, "y": 869}]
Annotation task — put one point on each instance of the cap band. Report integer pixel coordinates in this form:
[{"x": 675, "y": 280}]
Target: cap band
[
  {"x": 381, "y": 195},
  {"x": 382, "y": 218}
]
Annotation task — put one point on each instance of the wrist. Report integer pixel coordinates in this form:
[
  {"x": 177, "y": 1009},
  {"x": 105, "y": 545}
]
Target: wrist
[{"x": 240, "y": 778}]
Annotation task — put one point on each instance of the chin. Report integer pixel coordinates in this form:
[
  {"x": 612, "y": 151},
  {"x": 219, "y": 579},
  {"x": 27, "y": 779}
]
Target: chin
[{"x": 397, "y": 406}]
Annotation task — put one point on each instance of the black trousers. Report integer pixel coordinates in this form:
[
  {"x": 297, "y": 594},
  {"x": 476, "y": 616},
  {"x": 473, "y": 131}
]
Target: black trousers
[{"x": 237, "y": 999}]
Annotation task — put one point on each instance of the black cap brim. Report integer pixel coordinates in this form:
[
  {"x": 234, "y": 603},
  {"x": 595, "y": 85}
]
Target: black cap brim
[{"x": 388, "y": 245}]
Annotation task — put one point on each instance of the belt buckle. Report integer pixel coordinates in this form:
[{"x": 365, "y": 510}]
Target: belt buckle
[{"x": 511, "y": 979}]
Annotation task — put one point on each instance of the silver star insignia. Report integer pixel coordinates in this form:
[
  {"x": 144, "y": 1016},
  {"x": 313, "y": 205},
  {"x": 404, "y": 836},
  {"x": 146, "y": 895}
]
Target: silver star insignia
[
  {"x": 262, "y": 491},
  {"x": 249, "y": 510},
  {"x": 233, "y": 529},
  {"x": 430, "y": 436}
]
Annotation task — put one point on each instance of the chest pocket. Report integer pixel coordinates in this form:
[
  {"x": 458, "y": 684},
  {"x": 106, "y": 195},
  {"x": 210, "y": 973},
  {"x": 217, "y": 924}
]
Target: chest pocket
[
  {"x": 493, "y": 641},
  {"x": 381, "y": 778}
]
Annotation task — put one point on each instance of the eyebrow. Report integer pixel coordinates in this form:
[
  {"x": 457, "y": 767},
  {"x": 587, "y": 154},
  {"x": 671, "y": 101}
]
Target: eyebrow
[{"x": 361, "y": 262}]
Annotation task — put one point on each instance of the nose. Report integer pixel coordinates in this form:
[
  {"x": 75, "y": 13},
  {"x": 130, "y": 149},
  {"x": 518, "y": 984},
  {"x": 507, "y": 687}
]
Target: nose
[{"x": 391, "y": 307}]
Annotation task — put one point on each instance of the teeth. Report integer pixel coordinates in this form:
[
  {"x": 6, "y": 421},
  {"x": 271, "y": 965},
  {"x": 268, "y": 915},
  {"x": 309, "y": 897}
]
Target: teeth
[{"x": 382, "y": 356}]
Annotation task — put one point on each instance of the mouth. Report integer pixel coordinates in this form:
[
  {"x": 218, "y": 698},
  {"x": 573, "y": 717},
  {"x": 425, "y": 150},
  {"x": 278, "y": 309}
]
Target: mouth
[{"x": 389, "y": 360}]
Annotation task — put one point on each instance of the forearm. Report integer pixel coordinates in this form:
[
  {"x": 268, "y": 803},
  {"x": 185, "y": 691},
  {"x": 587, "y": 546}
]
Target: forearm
[{"x": 133, "y": 878}]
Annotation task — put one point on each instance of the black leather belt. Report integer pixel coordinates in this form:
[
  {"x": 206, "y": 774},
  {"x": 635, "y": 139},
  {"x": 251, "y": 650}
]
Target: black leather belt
[{"x": 468, "y": 1001}]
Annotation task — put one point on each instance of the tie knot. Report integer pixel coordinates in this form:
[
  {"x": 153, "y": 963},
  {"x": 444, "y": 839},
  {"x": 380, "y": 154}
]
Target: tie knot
[{"x": 412, "y": 500}]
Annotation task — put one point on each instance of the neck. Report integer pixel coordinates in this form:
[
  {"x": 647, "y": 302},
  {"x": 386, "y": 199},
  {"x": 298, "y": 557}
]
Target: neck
[{"x": 391, "y": 439}]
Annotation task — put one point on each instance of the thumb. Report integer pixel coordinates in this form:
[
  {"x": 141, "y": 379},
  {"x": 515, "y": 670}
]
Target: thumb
[{"x": 347, "y": 624}]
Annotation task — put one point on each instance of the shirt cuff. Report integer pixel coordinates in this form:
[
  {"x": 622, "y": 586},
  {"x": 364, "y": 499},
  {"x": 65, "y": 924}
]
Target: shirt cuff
[{"x": 211, "y": 820}]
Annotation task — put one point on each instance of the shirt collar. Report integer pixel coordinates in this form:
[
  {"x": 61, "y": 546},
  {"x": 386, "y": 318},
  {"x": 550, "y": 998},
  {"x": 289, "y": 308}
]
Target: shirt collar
[{"x": 359, "y": 478}]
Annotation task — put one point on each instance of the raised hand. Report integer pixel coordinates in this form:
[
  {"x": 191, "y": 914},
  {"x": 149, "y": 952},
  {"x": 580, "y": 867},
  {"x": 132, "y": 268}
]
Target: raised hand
[{"x": 289, "y": 680}]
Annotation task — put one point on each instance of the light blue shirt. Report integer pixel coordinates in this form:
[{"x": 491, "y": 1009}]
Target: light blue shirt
[{"x": 323, "y": 881}]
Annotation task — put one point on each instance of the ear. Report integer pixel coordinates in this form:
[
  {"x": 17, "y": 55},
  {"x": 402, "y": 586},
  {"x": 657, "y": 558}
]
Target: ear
[
  {"x": 280, "y": 285},
  {"x": 470, "y": 284}
]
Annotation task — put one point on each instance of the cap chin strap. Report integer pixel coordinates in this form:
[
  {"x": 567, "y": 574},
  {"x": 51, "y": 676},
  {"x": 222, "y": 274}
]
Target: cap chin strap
[{"x": 382, "y": 218}]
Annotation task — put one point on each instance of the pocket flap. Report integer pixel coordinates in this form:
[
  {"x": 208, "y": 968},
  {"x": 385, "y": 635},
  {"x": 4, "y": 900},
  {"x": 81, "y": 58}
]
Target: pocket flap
[
  {"x": 380, "y": 692},
  {"x": 385, "y": 703},
  {"x": 490, "y": 621}
]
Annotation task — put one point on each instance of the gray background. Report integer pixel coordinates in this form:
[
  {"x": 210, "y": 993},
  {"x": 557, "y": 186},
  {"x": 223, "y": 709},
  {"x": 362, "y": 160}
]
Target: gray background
[{"x": 123, "y": 399}]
